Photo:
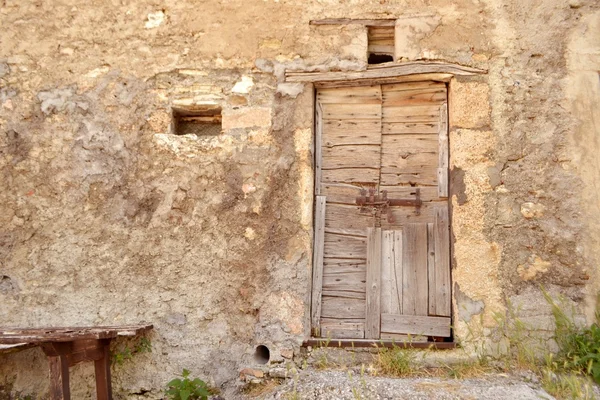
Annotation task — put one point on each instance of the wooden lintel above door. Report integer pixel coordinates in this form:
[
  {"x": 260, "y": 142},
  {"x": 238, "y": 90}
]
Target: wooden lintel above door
[{"x": 436, "y": 71}]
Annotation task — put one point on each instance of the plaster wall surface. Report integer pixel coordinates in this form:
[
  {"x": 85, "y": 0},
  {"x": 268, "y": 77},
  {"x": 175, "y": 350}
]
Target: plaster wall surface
[{"x": 109, "y": 218}]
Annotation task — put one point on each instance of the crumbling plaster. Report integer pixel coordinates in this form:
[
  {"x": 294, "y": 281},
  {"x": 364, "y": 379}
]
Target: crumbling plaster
[{"x": 108, "y": 218}]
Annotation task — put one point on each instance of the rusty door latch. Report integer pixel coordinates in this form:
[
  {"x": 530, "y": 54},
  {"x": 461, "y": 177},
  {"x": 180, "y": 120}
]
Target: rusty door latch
[{"x": 380, "y": 204}]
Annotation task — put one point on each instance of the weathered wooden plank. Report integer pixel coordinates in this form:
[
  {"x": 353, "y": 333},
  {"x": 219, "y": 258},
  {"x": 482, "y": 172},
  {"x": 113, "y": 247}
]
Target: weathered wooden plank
[
  {"x": 351, "y": 112},
  {"x": 373, "y": 302},
  {"x": 344, "y": 294},
  {"x": 318, "y": 251},
  {"x": 434, "y": 95},
  {"x": 409, "y": 215},
  {"x": 359, "y": 233},
  {"x": 381, "y": 48},
  {"x": 398, "y": 273},
  {"x": 405, "y": 144},
  {"x": 414, "y": 270},
  {"x": 351, "y": 281},
  {"x": 416, "y": 178},
  {"x": 342, "y": 308},
  {"x": 391, "y": 272},
  {"x": 400, "y": 128},
  {"x": 352, "y": 156},
  {"x": 342, "y": 265},
  {"x": 102, "y": 372},
  {"x": 318, "y": 144},
  {"x": 355, "y": 95},
  {"x": 339, "y": 132},
  {"x": 343, "y": 329},
  {"x": 408, "y": 161},
  {"x": 342, "y": 192},
  {"x": 344, "y": 246},
  {"x": 431, "y": 268},
  {"x": 352, "y": 175},
  {"x": 398, "y": 338},
  {"x": 385, "y": 80},
  {"x": 394, "y": 70},
  {"x": 387, "y": 266},
  {"x": 59, "y": 378},
  {"x": 403, "y": 86},
  {"x": 350, "y": 21},
  {"x": 406, "y": 114},
  {"x": 441, "y": 236},
  {"x": 415, "y": 325},
  {"x": 443, "y": 152},
  {"x": 347, "y": 217},
  {"x": 379, "y": 32},
  {"x": 402, "y": 192}
]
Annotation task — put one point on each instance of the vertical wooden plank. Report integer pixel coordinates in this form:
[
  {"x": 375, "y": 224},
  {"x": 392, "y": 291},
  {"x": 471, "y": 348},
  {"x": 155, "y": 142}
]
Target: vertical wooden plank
[
  {"x": 414, "y": 267},
  {"x": 59, "y": 378},
  {"x": 431, "y": 269},
  {"x": 373, "y": 303},
  {"x": 318, "y": 144},
  {"x": 102, "y": 369},
  {"x": 442, "y": 262},
  {"x": 397, "y": 300},
  {"x": 387, "y": 270},
  {"x": 443, "y": 152},
  {"x": 318, "y": 248}
]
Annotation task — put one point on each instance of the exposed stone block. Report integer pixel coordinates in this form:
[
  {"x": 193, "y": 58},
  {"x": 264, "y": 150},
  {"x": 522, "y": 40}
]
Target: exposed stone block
[
  {"x": 287, "y": 353},
  {"x": 246, "y": 118},
  {"x": 532, "y": 210}
]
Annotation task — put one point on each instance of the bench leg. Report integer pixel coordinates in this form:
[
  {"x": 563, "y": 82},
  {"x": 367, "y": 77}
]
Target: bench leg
[
  {"x": 102, "y": 367},
  {"x": 59, "y": 378}
]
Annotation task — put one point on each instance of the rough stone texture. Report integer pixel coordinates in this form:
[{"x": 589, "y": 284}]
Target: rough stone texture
[
  {"x": 354, "y": 384},
  {"x": 108, "y": 218}
]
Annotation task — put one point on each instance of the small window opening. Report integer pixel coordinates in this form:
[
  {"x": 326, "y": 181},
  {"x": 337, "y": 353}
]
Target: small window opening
[
  {"x": 262, "y": 354},
  {"x": 381, "y": 44},
  {"x": 200, "y": 121},
  {"x": 380, "y": 58}
]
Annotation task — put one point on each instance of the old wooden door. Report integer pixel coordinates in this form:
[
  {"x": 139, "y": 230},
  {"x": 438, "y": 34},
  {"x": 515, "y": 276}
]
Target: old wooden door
[{"x": 381, "y": 256}]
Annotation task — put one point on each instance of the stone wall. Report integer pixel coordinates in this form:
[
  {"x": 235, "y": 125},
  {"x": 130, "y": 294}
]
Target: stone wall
[{"x": 109, "y": 218}]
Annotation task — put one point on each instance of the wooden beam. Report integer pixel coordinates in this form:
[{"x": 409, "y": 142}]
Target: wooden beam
[
  {"x": 350, "y": 21},
  {"x": 355, "y": 343},
  {"x": 373, "y": 303},
  {"x": 385, "y": 71},
  {"x": 441, "y": 235},
  {"x": 414, "y": 270},
  {"x": 437, "y": 77},
  {"x": 102, "y": 369},
  {"x": 415, "y": 325},
  {"x": 317, "y": 279},
  {"x": 443, "y": 152},
  {"x": 318, "y": 146},
  {"x": 59, "y": 378}
]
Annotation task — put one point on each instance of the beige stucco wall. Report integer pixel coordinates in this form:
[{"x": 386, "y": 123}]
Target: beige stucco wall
[{"x": 107, "y": 218}]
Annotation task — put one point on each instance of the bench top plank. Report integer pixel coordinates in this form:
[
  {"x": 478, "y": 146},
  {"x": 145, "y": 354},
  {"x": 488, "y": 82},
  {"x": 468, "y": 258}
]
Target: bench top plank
[{"x": 68, "y": 334}]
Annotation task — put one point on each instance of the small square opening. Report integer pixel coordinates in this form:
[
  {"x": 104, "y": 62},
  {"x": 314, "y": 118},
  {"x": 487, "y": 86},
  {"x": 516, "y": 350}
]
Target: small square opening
[
  {"x": 380, "y": 44},
  {"x": 199, "y": 121}
]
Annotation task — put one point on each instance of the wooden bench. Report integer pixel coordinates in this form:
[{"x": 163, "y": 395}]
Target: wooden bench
[{"x": 66, "y": 347}]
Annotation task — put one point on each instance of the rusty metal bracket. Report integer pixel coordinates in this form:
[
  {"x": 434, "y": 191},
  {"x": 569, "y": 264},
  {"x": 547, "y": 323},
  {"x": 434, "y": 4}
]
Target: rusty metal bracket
[{"x": 380, "y": 203}]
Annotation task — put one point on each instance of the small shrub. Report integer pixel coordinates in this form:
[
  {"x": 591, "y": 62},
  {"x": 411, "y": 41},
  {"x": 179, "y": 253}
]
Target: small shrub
[
  {"x": 125, "y": 352},
  {"x": 186, "y": 389},
  {"x": 396, "y": 361},
  {"x": 579, "y": 347}
]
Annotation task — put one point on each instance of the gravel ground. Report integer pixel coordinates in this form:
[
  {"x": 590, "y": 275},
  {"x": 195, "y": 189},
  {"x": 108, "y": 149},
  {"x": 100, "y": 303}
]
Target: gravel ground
[{"x": 341, "y": 385}]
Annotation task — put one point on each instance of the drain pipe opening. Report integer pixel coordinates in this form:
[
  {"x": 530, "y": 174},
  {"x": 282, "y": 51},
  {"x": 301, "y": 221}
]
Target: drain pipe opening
[{"x": 262, "y": 354}]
